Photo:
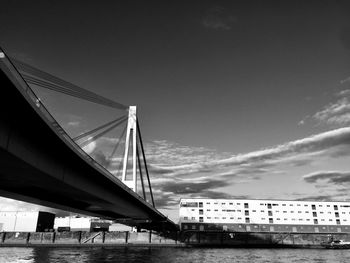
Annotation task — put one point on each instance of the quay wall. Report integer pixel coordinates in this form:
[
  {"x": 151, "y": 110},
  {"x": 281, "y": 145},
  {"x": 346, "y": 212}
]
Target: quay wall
[
  {"x": 81, "y": 238},
  {"x": 259, "y": 239},
  {"x": 177, "y": 239}
]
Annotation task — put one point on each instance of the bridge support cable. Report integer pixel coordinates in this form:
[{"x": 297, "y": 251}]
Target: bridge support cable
[
  {"x": 60, "y": 85},
  {"x": 140, "y": 171},
  {"x": 64, "y": 90},
  {"x": 94, "y": 138},
  {"x": 97, "y": 129},
  {"x": 145, "y": 162},
  {"x": 118, "y": 143}
]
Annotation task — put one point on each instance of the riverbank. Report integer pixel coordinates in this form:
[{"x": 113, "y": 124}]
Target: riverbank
[
  {"x": 176, "y": 239},
  {"x": 85, "y": 239}
]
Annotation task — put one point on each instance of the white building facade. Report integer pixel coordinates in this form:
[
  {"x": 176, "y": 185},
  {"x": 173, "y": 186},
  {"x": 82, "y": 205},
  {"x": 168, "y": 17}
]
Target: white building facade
[
  {"x": 22, "y": 221},
  {"x": 264, "y": 215}
]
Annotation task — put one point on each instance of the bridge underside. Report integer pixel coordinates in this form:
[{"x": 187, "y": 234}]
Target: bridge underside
[{"x": 38, "y": 165}]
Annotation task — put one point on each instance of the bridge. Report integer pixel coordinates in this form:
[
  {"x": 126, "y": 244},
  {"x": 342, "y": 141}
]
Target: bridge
[{"x": 41, "y": 164}]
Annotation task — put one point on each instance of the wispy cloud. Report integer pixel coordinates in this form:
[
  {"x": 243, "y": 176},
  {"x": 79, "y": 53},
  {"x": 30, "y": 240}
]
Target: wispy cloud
[
  {"x": 218, "y": 18},
  {"x": 334, "y": 177},
  {"x": 336, "y": 113},
  {"x": 73, "y": 123},
  {"x": 205, "y": 175}
]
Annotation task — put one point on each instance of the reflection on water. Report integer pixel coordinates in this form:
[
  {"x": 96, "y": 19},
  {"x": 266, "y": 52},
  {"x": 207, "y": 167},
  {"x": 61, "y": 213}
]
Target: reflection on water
[{"x": 171, "y": 255}]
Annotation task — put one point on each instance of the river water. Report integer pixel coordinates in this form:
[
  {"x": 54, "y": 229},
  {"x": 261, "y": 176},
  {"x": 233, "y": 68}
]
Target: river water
[{"x": 171, "y": 255}]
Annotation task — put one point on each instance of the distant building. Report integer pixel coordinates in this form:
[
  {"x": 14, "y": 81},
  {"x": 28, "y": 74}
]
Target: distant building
[
  {"x": 120, "y": 228},
  {"x": 81, "y": 224},
  {"x": 17, "y": 221},
  {"x": 264, "y": 215}
]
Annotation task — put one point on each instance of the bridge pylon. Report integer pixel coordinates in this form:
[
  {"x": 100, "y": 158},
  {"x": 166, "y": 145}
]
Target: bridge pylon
[
  {"x": 131, "y": 137},
  {"x": 133, "y": 142}
]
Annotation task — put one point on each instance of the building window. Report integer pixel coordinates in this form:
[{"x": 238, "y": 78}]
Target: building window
[
  {"x": 291, "y": 205},
  {"x": 239, "y": 210},
  {"x": 231, "y": 217},
  {"x": 335, "y": 207},
  {"x": 238, "y": 203},
  {"x": 208, "y": 210},
  {"x": 298, "y": 204},
  {"x": 231, "y": 203},
  {"x": 200, "y": 204},
  {"x": 313, "y": 207},
  {"x": 262, "y": 211},
  {"x": 185, "y": 218},
  {"x": 314, "y": 214},
  {"x": 246, "y": 213},
  {"x": 254, "y": 210},
  {"x": 201, "y": 219},
  {"x": 283, "y": 204},
  {"x": 208, "y": 217},
  {"x": 336, "y": 214},
  {"x": 215, "y": 210},
  {"x": 190, "y": 204},
  {"x": 328, "y": 206},
  {"x": 245, "y": 205},
  {"x": 269, "y": 213},
  {"x": 269, "y": 206},
  {"x": 208, "y": 203},
  {"x": 315, "y": 221},
  {"x": 224, "y": 218},
  {"x": 271, "y": 220},
  {"x": 338, "y": 221},
  {"x": 201, "y": 211},
  {"x": 305, "y": 205},
  {"x": 247, "y": 220},
  {"x": 193, "y": 226},
  {"x": 223, "y": 203},
  {"x": 193, "y": 218},
  {"x": 284, "y": 211},
  {"x": 299, "y": 212},
  {"x": 319, "y": 205},
  {"x": 185, "y": 226}
]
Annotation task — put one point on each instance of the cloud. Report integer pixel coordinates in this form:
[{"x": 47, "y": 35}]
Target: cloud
[
  {"x": 295, "y": 153},
  {"x": 89, "y": 148},
  {"x": 191, "y": 186},
  {"x": 316, "y": 198},
  {"x": 336, "y": 113},
  {"x": 333, "y": 177},
  {"x": 218, "y": 18},
  {"x": 74, "y": 124}
]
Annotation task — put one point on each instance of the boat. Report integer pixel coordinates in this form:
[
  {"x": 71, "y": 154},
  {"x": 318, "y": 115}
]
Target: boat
[{"x": 337, "y": 244}]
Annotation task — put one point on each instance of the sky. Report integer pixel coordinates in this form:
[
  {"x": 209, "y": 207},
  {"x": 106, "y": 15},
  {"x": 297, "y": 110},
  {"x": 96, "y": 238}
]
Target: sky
[{"x": 236, "y": 99}]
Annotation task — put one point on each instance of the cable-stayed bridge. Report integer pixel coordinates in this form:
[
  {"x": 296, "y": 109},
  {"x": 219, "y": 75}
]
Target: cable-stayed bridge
[{"x": 40, "y": 163}]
